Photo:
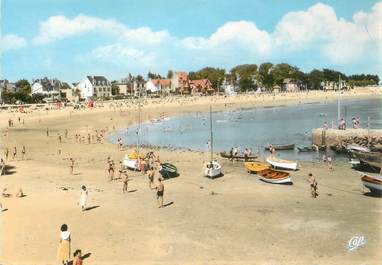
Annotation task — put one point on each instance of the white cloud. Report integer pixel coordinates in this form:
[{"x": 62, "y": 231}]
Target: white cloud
[
  {"x": 118, "y": 53},
  {"x": 319, "y": 28},
  {"x": 60, "y": 27},
  {"x": 11, "y": 42},
  {"x": 244, "y": 34}
]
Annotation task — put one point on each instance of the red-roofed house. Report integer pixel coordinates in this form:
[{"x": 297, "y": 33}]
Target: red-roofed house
[
  {"x": 201, "y": 86},
  {"x": 180, "y": 83}
]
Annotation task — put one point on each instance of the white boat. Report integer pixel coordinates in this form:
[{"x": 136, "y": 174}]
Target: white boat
[
  {"x": 356, "y": 147},
  {"x": 372, "y": 181},
  {"x": 212, "y": 169},
  {"x": 130, "y": 163},
  {"x": 281, "y": 163}
]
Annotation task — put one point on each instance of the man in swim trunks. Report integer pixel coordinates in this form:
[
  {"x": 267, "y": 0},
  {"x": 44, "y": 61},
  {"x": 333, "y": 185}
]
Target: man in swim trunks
[{"x": 160, "y": 191}]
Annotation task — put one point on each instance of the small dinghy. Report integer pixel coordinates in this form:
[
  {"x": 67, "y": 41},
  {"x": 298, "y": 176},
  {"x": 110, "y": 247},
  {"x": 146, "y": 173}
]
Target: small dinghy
[
  {"x": 275, "y": 176},
  {"x": 281, "y": 163},
  {"x": 212, "y": 169},
  {"x": 168, "y": 171},
  {"x": 305, "y": 149},
  {"x": 372, "y": 181},
  {"x": 280, "y": 147},
  {"x": 254, "y": 167},
  {"x": 237, "y": 157}
]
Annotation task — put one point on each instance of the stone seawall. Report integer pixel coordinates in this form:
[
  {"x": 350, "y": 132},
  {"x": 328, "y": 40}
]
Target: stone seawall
[{"x": 334, "y": 137}]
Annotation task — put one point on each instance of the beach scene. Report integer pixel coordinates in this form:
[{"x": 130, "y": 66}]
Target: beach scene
[{"x": 198, "y": 132}]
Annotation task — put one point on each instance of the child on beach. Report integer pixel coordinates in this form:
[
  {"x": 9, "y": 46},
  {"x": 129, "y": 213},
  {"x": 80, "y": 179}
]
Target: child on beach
[
  {"x": 151, "y": 177},
  {"x": 14, "y": 153},
  {"x": 23, "y": 152},
  {"x": 71, "y": 160},
  {"x": 125, "y": 181},
  {"x": 83, "y": 197},
  {"x": 77, "y": 257},
  {"x": 313, "y": 185}
]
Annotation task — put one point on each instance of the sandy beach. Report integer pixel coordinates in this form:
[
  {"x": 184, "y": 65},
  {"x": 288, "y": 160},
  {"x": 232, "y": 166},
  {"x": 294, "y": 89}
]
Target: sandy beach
[{"x": 235, "y": 219}]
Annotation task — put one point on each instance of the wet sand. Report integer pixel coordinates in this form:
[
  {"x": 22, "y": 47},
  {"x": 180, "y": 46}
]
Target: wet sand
[{"x": 235, "y": 219}]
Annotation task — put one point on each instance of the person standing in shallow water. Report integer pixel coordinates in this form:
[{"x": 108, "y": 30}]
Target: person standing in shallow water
[{"x": 63, "y": 253}]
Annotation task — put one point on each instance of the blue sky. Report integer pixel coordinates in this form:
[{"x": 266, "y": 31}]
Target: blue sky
[{"x": 69, "y": 39}]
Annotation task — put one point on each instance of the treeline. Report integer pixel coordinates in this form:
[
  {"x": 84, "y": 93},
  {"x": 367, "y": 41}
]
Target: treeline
[{"x": 267, "y": 75}]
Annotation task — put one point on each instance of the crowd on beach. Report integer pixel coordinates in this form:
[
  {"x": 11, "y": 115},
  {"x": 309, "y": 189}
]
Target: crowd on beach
[{"x": 356, "y": 124}]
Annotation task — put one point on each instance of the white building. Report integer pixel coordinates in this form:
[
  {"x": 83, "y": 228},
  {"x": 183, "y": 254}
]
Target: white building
[
  {"x": 229, "y": 89},
  {"x": 95, "y": 86},
  {"x": 48, "y": 87}
]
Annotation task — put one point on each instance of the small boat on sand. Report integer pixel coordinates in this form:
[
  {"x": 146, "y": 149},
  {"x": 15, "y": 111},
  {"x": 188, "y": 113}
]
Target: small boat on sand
[
  {"x": 254, "y": 167},
  {"x": 356, "y": 147},
  {"x": 212, "y": 169},
  {"x": 372, "y": 181},
  {"x": 131, "y": 161},
  {"x": 168, "y": 171},
  {"x": 237, "y": 157},
  {"x": 275, "y": 176},
  {"x": 281, "y": 163},
  {"x": 373, "y": 159},
  {"x": 280, "y": 146}
]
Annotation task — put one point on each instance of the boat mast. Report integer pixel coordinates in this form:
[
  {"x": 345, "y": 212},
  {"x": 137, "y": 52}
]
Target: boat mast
[
  {"x": 338, "y": 102},
  {"x": 139, "y": 120},
  {"x": 212, "y": 139}
]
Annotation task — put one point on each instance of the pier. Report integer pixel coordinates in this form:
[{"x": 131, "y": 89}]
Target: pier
[{"x": 335, "y": 137}]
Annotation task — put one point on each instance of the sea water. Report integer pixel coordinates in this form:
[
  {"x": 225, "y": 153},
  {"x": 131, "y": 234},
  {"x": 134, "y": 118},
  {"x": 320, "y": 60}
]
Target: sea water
[{"x": 253, "y": 128}]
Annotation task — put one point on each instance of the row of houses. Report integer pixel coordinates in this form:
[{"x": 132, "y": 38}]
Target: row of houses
[{"x": 101, "y": 87}]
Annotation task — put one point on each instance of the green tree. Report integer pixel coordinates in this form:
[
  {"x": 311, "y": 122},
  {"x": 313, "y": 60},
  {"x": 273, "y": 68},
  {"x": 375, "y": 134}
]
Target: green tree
[
  {"x": 24, "y": 86},
  {"x": 265, "y": 75},
  {"x": 215, "y": 75},
  {"x": 247, "y": 74},
  {"x": 170, "y": 74},
  {"x": 114, "y": 88},
  {"x": 315, "y": 77}
]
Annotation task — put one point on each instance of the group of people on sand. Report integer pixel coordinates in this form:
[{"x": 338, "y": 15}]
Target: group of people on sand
[{"x": 14, "y": 153}]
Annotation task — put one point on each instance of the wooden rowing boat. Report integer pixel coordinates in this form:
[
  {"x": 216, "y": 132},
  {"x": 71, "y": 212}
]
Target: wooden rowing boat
[
  {"x": 281, "y": 163},
  {"x": 275, "y": 176},
  {"x": 373, "y": 159},
  {"x": 372, "y": 181},
  {"x": 280, "y": 147},
  {"x": 237, "y": 157},
  {"x": 254, "y": 167}
]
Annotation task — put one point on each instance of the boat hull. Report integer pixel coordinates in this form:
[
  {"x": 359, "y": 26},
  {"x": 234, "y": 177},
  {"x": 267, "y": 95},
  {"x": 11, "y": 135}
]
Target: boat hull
[
  {"x": 237, "y": 157},
  {"x": 372, "y": 181},
  {"x": 371, "y": 158},
  {"x": 274, "y": 176},
  {"x": 213, "y": 172},
  {"x": 280, "y": 147},
  {"x": 282, "y": 164},
  {"x": 254, "y": 167},
  {"x": 131, "y": 164}
]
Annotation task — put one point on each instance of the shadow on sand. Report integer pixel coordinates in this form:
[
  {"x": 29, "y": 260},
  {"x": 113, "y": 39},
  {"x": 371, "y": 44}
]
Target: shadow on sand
[{"x": 91, "y": 208}]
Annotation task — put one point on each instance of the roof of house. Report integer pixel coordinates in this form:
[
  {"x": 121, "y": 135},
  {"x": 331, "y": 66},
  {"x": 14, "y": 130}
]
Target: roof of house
[
  {"x": 48, "y": 84},
  {"x": 182, "y": 75},
  {"x": 161, "y": 82},
  {"x": 97, "y": 79}
]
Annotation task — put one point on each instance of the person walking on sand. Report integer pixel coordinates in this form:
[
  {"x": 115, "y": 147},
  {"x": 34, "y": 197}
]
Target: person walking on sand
[
  {"x": 330, "y": 164},
  {"x": 59, "y": 138},
  {"x": 125, "y": 181},
  {"x": 47, "y": 132},
  {"x": 160, "y": 191},
  {"x": 71, "y": 160},
  {"x": 63, "y": 253},
  {"x": 151, "y": 177},
  {"x": 23, "y": 152},
  {"x": 6, "y": 153},
  {"x": 313, "y": 185},
  {"x": 14, "y": 153},
  {"x": 83, "y": 197}
]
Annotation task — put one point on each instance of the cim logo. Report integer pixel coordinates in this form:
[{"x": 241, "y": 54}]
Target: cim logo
[{"x": 355, "y": 242}]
